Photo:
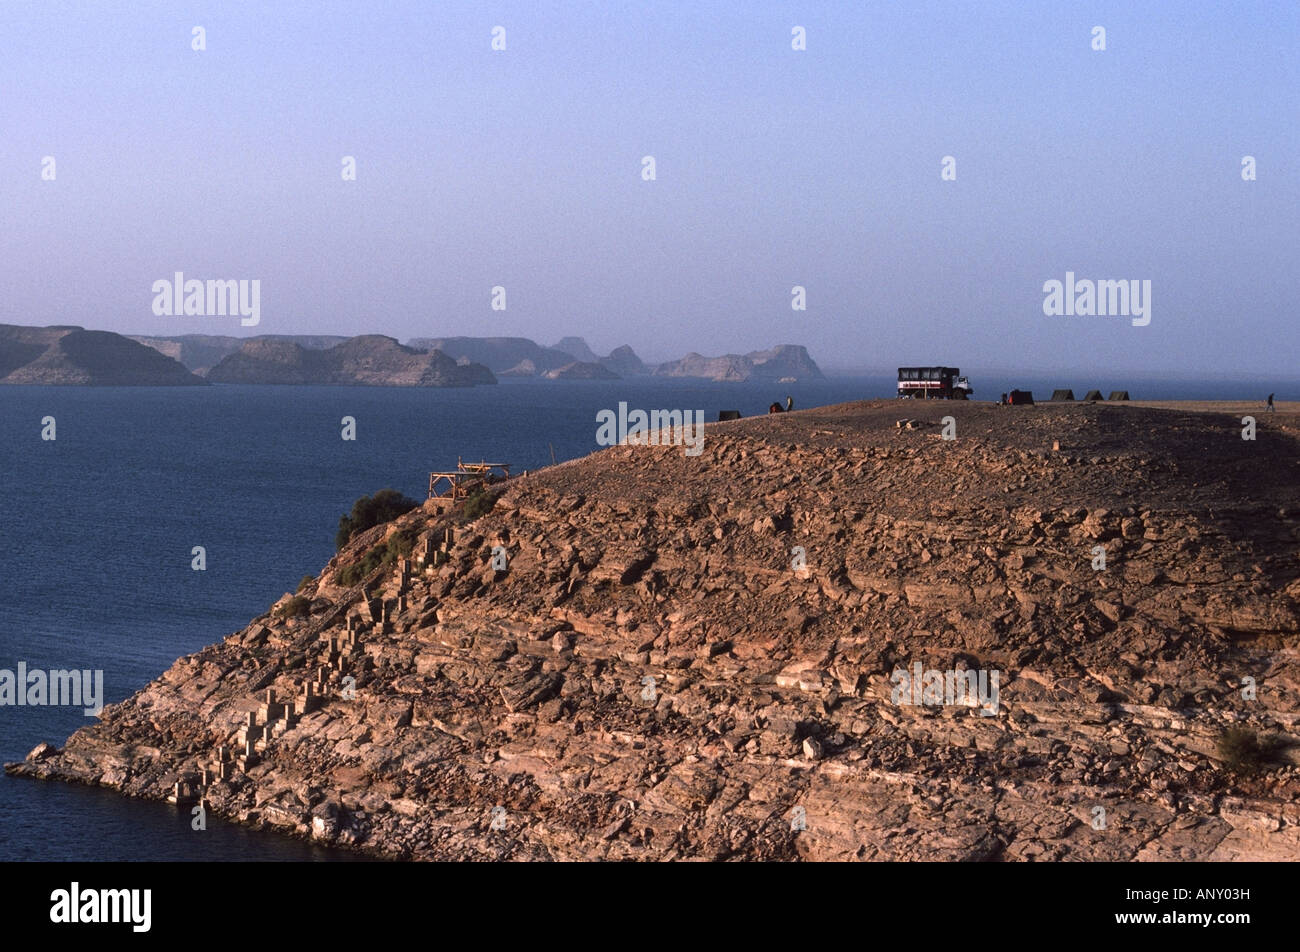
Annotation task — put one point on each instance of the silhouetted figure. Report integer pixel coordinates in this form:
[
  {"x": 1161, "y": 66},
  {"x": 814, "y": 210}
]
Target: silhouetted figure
[
  {"x": 1271, "y": 408},
  {"x": 789, "y": 402}
]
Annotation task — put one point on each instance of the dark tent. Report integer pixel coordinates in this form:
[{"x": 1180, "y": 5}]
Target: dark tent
[
  {"x": 1060, "y": 396},
  {"x": 728, "y": 415},
  {"x": 1020, "y": 398},
  {"x": 1118, "y": 395},
  {"x": 1093, "y": 395}
]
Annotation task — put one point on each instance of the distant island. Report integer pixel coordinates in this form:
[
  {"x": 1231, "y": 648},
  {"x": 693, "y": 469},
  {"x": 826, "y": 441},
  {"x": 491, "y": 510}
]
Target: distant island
[
  {"x": 784, "y": 363},
  {"x": 371, "y": 360},
  {"x": 74, "y": 356},
  {"x": 64, "y": 355},
  {"x": 521, "y": 357}
]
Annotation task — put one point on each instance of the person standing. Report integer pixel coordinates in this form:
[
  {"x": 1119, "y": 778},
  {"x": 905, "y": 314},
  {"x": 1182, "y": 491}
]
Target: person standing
[
  {"x": 1271, "y": 408},
  {"x": 789, "y": 402}
]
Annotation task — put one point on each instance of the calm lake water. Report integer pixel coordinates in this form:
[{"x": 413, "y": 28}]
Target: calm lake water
[{"x": 99, "y": 525}]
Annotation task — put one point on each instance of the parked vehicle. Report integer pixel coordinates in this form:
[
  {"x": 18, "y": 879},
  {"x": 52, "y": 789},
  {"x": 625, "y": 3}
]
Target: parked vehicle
[{"x": 933, "y": 383}]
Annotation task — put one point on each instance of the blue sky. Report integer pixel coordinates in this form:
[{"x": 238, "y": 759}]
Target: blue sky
[{"x": 775, "y": 168}]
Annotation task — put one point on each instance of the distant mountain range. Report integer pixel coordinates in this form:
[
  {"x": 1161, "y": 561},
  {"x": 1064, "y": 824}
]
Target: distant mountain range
[{"x": 73, "y": 355}]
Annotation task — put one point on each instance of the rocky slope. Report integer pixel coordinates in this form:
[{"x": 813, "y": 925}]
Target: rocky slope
[
  {"x": 72, "y": 356},
  {"x": 656, "y": 673},
  {"x": 371, "y": 360}
]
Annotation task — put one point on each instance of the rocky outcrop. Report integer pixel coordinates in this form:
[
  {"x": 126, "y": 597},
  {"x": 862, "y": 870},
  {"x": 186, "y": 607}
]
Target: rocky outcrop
[
  {"x": 72, "y": 356},
  {"x": 649, "y": 655},
  {"x": 370, "y": 361},
  {"x": 785, "y": 363}
]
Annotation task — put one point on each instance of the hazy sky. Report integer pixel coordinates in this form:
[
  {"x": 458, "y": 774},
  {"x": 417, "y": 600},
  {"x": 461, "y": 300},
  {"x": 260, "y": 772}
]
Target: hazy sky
[{"x": 775, "y": 168}]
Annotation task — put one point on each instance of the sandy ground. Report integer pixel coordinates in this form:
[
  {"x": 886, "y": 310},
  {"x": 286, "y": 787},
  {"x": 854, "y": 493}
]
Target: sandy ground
[{"x": 1253, "y": 407}]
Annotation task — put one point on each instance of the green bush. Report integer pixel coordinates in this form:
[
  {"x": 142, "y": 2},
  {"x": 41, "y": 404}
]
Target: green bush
[
  {"x": 357, "y": 571},
  {"x": 306, "y": 582},
  {"x": 476, "y": 504},
  {"x": 1244, "y": 751},
  {"x": 368, "y": 511},
  {"x": 399, "y": 545}
]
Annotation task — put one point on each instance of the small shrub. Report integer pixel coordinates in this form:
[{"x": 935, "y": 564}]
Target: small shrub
[
  {"x": 298, "y": 605},
  {"x": 400, "y": 544},
  {"x": 357, "y": 571},
  {"x": 306, "y": 582},
  {"x": 1244, "y": 751},
  {"x": 476, "y": 504},
  {"x": 368, "y": 511}
]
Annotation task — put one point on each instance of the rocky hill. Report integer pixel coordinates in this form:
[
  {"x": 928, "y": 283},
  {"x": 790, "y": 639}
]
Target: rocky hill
[
  {"x": 782, "y": 361},
  {"x": 699, "y": 656},
  {"x": 370, "y": 360},
  {"x": 72, "y": 356}
]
